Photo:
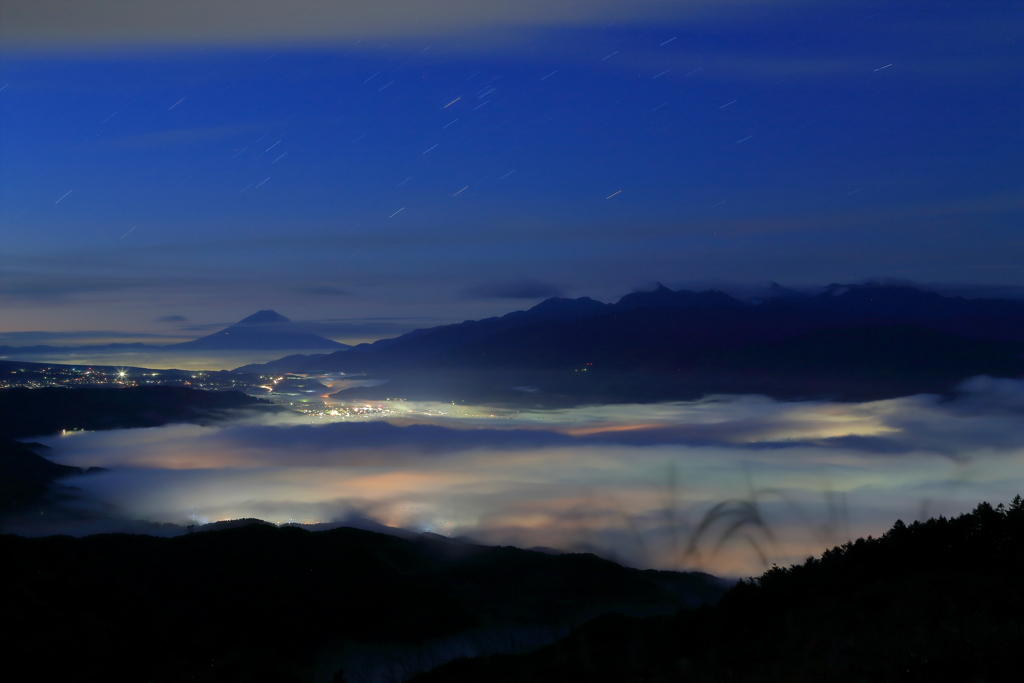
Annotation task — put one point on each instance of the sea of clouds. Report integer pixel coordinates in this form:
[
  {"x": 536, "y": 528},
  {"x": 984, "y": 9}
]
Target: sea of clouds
[{"x": 726, "y": 484}]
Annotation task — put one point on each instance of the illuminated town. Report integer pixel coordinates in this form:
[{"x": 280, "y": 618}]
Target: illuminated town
[
  {"x": 299, "y": 393},
  {"x": 311, "y": 395}
]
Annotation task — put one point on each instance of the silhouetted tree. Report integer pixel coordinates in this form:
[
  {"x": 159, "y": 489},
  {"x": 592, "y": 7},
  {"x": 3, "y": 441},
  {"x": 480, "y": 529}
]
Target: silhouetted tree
[{"x": 940, "y": 600}]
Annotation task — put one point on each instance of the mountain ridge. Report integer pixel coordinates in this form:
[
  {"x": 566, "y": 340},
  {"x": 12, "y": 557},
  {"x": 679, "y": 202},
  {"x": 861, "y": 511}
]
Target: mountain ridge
[
  {"x": 860, "y": 342},
  {"x": 733, "y": 321}
]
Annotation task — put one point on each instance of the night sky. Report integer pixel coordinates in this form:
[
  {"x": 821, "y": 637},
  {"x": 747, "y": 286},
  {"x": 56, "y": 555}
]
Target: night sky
[{"x": 362, "y": 164}]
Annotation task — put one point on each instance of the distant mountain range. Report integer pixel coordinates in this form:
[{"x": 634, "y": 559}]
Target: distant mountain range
[
  {"x": 850, "y": 341},
  {"x": 261, "y": 331}
]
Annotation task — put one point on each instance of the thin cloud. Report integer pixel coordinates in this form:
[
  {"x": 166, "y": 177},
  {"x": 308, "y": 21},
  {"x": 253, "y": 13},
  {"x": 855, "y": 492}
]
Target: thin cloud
[
  {"x": 29, "y": 287},
  {"x": 45, "y": 286},
  {"x": 324, "y": 290},
  {"x": 517, "y": 289},
  {"x": 112, "y": 24},
  {"x": 31, "y": 338}
]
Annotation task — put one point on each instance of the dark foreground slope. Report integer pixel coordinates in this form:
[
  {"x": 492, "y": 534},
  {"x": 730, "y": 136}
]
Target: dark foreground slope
[
  {"x": 25, "y": 476},
  {"x": 938, "y": 601},
  {"x": 261, "y": 603}
]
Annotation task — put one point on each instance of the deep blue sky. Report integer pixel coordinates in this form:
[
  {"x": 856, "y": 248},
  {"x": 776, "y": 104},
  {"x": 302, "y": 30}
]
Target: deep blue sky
[{"x": 430, "y": 174}]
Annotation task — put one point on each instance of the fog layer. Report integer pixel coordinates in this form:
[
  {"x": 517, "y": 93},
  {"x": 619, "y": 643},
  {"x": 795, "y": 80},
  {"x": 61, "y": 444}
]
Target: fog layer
[{"x": 725, "y": 484}]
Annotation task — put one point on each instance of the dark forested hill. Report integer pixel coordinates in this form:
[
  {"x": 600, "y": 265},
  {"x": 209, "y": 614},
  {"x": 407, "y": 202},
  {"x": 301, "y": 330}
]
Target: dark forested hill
[
  {"x": 934, "y": 601},
  {"x": 26, "y": 476},
  {"x": 261, "y": 603}
]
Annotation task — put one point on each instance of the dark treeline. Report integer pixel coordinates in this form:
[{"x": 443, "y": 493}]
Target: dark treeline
[
  {"x": 936, "y": 601},
  {"x": 258, "y": 602}
]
